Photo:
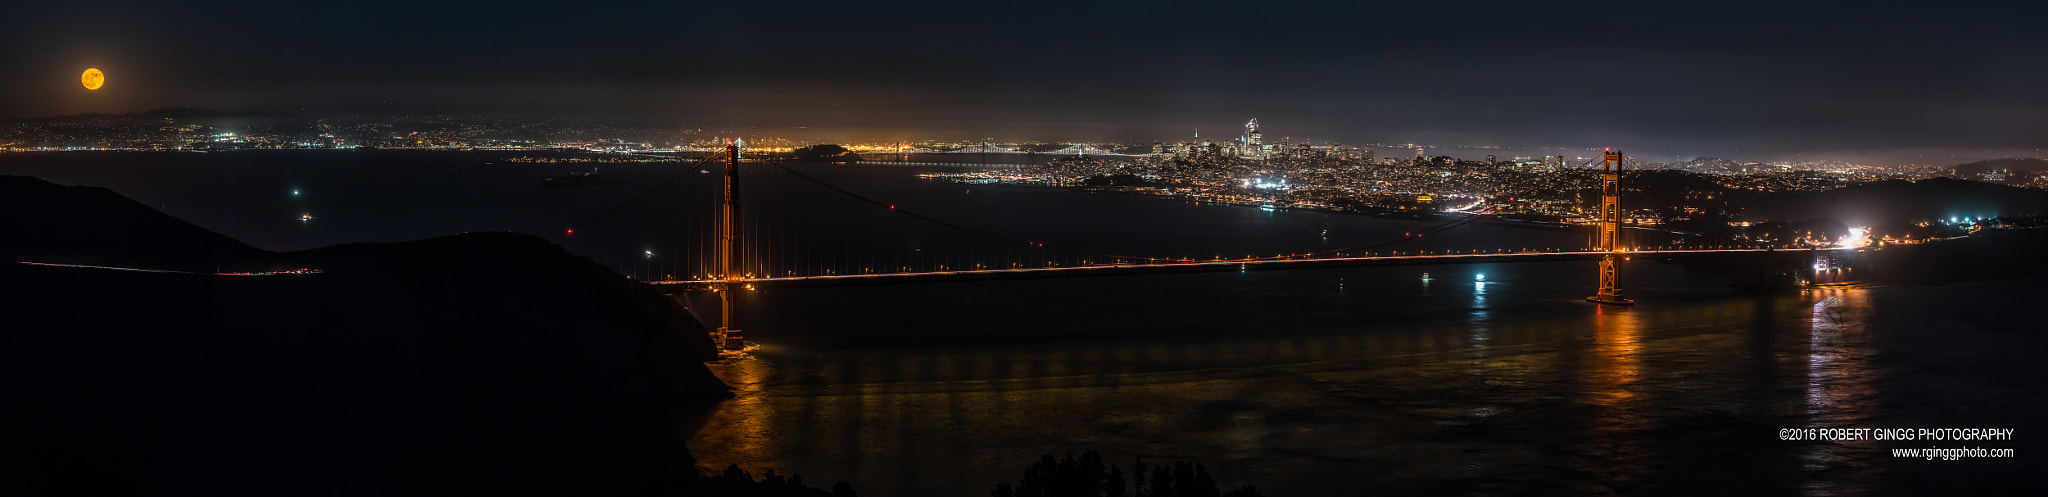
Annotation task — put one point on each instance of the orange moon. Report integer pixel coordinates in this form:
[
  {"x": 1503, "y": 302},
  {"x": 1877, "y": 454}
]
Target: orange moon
[{"x": 92, "y": 78}]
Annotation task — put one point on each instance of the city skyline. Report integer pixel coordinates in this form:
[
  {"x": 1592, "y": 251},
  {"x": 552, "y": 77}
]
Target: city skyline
[
  {"x": 1732, "y": 77},
  {"x": 185, "y": 129}
]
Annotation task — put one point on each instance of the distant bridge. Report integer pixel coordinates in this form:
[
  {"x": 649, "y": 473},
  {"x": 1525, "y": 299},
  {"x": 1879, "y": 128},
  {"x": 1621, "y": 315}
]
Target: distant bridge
[
  {"x": 1108, "y": 269},
  {"x": 762, "y": 250}
]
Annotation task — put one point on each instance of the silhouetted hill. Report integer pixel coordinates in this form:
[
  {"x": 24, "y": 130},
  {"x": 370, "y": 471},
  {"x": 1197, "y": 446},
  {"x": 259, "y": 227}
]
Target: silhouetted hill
[
  {"x": 45, "y": 222},
  {"x": 825, "y": 153},
  {"x": 1908, "y": 201},
  {"x": 2007, "y": 164},
  {"x": 489, "y": 363}
]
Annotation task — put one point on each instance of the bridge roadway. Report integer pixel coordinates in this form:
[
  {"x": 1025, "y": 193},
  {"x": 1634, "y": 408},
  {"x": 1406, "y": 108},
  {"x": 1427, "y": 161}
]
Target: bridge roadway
[{"x": 1211, "y": 265}]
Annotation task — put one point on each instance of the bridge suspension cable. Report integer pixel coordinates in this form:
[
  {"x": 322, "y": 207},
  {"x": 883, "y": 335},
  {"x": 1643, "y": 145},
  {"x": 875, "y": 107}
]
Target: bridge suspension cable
[
  {"x": 795, "y": 247},
  {"x": 636, "y": 198}
]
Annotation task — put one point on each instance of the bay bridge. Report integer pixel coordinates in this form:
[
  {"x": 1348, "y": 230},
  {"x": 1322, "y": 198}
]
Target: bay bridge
[{"x": 771, "y": 233}]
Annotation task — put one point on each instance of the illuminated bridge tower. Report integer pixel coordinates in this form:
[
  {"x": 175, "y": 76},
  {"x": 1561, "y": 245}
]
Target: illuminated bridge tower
[
  {"x": 728, "y": 293},
  {"x": 1610, "y": 230}
]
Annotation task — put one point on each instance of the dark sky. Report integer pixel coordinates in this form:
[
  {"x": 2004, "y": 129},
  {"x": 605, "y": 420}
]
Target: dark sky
[{"x": 1658, "y": 74}]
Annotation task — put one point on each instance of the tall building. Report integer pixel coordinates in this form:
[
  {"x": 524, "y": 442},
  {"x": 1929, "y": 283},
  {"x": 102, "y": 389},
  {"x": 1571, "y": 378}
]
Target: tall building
[{"x": 1254, "y": 143}]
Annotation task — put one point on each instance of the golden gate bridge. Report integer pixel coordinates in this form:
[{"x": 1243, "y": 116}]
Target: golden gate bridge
[{"x": 745, "y": 243}]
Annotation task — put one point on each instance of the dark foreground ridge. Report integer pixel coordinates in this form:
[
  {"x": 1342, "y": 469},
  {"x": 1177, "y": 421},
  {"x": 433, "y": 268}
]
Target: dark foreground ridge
[
  {"x": 471, "y": 364},
  {"x": 44, "y": 222}
]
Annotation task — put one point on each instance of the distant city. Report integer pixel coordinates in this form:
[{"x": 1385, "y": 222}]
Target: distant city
[
  {"x": 1243, "y": 166},
  {"x": 184, "y": 129}
]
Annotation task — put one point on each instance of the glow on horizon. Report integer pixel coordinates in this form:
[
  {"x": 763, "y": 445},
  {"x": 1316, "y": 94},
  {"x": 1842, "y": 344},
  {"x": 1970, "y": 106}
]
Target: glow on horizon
[{"x": 1858, "y": 237}]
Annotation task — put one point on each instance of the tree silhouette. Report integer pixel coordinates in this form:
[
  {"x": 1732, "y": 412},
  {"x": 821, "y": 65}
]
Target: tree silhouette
[
  {"x": 735, "y": 481},
  {"x": 1087, "y": 476}
]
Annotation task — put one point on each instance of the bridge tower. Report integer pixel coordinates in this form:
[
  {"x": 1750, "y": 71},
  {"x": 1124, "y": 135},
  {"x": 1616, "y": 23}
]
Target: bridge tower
[
  {"x": 1610, "y": 230},
  {"x": 728, "y": 293}
]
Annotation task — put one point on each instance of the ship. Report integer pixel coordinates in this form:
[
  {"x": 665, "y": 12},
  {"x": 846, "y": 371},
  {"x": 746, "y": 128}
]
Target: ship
[{"x": 582, "y": 179}]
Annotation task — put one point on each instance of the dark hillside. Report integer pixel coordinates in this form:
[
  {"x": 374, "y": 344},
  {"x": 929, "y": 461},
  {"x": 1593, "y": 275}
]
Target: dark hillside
[
  {"x": 2008, "y": 164},
  {"x": 472, "y": 364},
  {"x": 44, "y": 222},
  {"x": 1925, "y": 200}
]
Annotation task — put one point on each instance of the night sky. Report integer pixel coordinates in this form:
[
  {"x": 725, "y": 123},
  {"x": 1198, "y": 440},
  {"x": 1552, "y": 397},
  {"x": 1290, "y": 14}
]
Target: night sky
[{"x": 1701, "y": 75}]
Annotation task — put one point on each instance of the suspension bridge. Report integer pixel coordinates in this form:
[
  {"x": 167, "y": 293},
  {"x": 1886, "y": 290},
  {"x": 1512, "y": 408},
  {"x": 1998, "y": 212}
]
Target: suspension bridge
[{"x": 778, "y": 233}]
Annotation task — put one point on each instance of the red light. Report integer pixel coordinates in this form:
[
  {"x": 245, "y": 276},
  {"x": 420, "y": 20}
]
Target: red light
[
  {"x": 892, "y": 207},
  {"x": 572, "y": 231}
]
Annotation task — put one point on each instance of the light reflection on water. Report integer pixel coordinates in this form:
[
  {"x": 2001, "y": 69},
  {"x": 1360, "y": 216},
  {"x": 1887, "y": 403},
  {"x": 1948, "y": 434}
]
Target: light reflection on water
[
  {"x": 1613, "y": 442},
  {"x": 1591, "y": 402},
  {"x": 1840, "y": 392},
  {"x": 1678, "y": 396},
  {"x": 1434, "y": 391}
]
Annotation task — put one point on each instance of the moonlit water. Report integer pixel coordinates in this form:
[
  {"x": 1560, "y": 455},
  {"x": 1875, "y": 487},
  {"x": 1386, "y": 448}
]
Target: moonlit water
[{"x": 1329, "y": 381}]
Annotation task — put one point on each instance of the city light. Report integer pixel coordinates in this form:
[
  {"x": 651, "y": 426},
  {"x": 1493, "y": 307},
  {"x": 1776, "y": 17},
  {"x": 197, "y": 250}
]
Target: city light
[{"x": 1858, "y": 237}]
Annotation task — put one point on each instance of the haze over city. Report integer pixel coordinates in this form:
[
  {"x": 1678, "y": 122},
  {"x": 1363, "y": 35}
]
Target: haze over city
[{"x": 1713, "y": 78}]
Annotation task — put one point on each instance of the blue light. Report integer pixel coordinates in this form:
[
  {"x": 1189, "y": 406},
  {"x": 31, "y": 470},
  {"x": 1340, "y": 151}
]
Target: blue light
[{"x": 1480, "y": 277}]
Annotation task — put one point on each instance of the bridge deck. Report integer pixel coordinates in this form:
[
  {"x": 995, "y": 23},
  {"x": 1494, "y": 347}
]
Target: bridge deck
[{"x": 1182, "y": 266}]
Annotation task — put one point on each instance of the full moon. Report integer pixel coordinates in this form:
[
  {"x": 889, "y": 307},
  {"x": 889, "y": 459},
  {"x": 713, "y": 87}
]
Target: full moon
[{"x": 92, "y": 78}]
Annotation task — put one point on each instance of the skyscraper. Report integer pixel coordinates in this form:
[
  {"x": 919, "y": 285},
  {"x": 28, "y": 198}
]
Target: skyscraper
[{"x": 1253, "y": 142}]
